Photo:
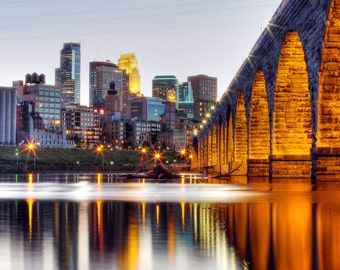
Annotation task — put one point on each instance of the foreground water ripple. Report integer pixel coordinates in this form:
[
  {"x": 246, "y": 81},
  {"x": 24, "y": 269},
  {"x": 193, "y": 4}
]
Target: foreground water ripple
[{"x": 148, "y": 192}]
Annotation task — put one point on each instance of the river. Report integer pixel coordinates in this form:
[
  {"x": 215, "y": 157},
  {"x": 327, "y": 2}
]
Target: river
[{"x": 101, "y": 221}]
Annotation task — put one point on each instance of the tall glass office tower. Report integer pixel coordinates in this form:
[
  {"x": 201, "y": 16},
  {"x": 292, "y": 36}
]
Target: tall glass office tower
[
  {"x": 162, "y": 84},
  {"x": 129, "y": 63},
  {"x": 101, "y": 76},
  {"x": 67, "y": 76}
]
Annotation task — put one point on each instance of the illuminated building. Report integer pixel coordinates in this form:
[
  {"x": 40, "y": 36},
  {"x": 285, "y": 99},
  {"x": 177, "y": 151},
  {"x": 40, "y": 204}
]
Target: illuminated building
[
  {"x": 171, "y": 137},
  {"x": 67, "y": 76},
  {"x": 146, "y": 133},
  {"x": 169, "y": 116},
  {"x": 46, "y": 100},
  {"x": 204, "y": 90},
  {"x": 8, "y": 99},
  {"x": 144, "y": 108},
  {"x": 81, "y": 124},
  {"x": 185, "y": 100},
  {"x": 128, "y": 62},
  {"x": 101, "y": 75},
  {"x": 51, "y": 140},
  {"x": 162, "y": 84},
  {"x": 112, "y": 133}
]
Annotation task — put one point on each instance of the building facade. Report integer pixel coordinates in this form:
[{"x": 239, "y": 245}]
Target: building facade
[
  {"x": 162, "y": 84},
  {"x": 45, "y": 139},
  {"x": 8, "y": 102},
  {"x": 113, "y": 104},
  {"x": 144, "y": 108},
  {"x": 145, "y": 133},
  {"x": 101, "y": 75},
  {"x": 185, "y": 100},
  {"x": 67, "y": 76},
  {"x": 46, "y": 100},
  {"x": 128, "y": 62},
  {"x": 81, "y": 125},
  {"x": 204, "y": 90}
]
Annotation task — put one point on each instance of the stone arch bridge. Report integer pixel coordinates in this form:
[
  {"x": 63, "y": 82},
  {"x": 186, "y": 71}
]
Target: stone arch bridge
[{"x": 279, "y": 119}]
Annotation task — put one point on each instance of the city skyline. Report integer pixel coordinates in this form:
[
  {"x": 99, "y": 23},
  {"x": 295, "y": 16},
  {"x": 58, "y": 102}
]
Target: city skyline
[{"x": 168, "y": 38}]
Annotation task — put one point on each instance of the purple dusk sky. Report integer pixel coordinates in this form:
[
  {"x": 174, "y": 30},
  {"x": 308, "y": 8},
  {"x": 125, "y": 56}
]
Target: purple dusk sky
[{"x": 168, "y": 37}]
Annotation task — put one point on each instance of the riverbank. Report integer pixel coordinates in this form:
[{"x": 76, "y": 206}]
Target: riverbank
[{"x": 15, "y": 159}]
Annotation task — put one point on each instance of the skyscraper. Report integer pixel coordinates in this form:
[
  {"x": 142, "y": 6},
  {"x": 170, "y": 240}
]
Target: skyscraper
[
  {"x": 162, "y": 84},
  {"x": 101, "y": 76},
  {"x": 129, "y": 63},
  {"x": 67, "y": 76},
  {"x": 185, "y": 100},
  {"x": 204, "y": 90}
]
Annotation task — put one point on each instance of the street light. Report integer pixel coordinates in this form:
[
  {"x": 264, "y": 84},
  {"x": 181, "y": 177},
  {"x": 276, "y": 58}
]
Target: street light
[
  {"x": 157, "y": 156},
  {"x": 31, "y": 148},
  {"x": 142, "y": 158},
  {"x": 182, "y": 154},
  {"x": 100, "y": 150}
]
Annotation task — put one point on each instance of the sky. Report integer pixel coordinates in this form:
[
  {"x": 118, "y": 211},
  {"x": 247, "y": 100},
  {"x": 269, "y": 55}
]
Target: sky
[{"x": 169, "y": 37}]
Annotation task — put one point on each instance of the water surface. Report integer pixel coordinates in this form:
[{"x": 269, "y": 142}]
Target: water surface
[{"x": 100, "y": 221}]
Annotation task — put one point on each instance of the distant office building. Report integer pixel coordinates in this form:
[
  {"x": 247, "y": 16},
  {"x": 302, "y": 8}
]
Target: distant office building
[
  {"x": 112, "y": 133},
  {"x": 8, "y": 102},
  {"x": 145, "y": 133},
  {"x": 128, "y": 62},
  {"x": 101, "y": 75},
  {"x": 113, "y": 103},
  {"x": 51, "y": 140},
  {"x": 185, "y": 100},
  {"x": 162, "y": 84},
  {"x": 144, "y": 108},
  {"x": 169, "y": 116},
  {"x": 81, "y": 125},
  {"x": 67, "y": 76},
  {"x": 46, "y": 100},
  {"x": 205, "y": 94}
]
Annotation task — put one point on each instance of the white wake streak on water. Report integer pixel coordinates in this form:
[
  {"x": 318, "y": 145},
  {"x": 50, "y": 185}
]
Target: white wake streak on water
[{"x": 148, "y": 192}]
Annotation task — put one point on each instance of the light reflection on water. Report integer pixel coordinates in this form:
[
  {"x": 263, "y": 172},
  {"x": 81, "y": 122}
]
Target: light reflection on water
[{"x": 95, "y": 221}]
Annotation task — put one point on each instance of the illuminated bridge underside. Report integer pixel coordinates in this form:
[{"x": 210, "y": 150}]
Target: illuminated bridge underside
[{"x": 279, "y": 119}]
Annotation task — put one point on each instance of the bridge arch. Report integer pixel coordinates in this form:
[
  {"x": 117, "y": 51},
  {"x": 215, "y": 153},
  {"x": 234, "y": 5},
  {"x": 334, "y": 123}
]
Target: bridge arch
[
  {"x": 292, "y": 123},
  {"x": 292, "y": 111},
  {"x": 329, "y": 86},
  {"x": 241, "y": 136},
  {"x": 259, "y": 129}
]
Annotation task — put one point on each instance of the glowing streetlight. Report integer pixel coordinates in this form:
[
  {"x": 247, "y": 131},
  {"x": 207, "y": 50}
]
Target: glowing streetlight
[
  {"x": 182, "y": 154},
  {"x": 142, "y": 158},
  {"x": 157, "y": 156},
  {"x": 100, "y": 150},
  {"x": 31, "y": 148}
]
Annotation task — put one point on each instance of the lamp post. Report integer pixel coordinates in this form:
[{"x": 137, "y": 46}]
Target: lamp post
[
  {"x": 31, "y": 148},
  {"x": 100, "y": 150},
  {"x": 142, "y": 157},
  {"x": 182, "y": 154},
  {"x": 157, "y": 156}
]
